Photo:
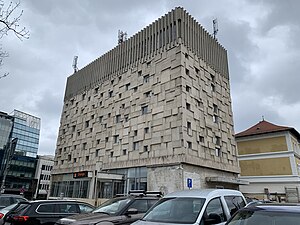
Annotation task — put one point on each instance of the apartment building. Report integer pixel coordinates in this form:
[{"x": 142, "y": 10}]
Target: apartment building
[
  {"x": 153, "y": 113},
  {"x": 269, "y": 157},
  {"x": 43, "y": 175}
]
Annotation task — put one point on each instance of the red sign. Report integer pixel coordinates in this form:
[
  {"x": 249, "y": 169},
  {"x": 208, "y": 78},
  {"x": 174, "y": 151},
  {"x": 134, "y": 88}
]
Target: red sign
[{"x": 80, "y": 174}]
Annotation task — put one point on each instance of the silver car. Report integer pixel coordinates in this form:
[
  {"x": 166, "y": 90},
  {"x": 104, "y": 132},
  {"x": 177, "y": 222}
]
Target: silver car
[
  {"x": 194, "y": 207},
  {"x": 4, "y": 211}
]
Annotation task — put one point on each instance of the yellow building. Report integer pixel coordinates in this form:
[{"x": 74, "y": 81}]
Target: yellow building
[{"x": 269, "y": 158}]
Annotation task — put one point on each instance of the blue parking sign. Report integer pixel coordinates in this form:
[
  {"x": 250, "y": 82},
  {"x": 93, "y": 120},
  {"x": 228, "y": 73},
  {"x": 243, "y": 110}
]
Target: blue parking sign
[{"x": 189, "y": 183}]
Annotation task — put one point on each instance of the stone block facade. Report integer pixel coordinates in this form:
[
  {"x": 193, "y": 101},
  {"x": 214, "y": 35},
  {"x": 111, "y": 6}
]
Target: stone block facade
[{"x": 167, "y": 106}]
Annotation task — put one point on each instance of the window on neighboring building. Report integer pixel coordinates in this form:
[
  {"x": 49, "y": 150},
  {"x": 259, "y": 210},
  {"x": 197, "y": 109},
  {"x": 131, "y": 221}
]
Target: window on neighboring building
[
  {"x": 118, "y": 118},
  {"x": 135, "y": 132},
  {"x": 189, "y": 125},
  {"x": 126, "y": 118},
  {"x": 215, "y": 119},
  {"x": 146, "y": 79},
  {"x": 201, "y": 139},
  {"x": 146, "y": 148},
  {"x": 87, "y": 158},
  {"x": 110, "y": 93},
  {"x": 135, "y": 145},
  {"x": 127, "y": 87},
  {"x": 189, "y": 145},
  {"x": 188, "y": 88},
  {"x": 146, "y": 130},
  {"x": 188, "y": 106},
  {"x": 187, "y": 72},
  {"x": 144, "y": 109},
  {"x": 212, "y": 87},
  {"x": 218, "y": 151},
  {"x": 116, "y": 139},
  {"x": 218, "y": 141},
  {"x": 147, "y": 94}
]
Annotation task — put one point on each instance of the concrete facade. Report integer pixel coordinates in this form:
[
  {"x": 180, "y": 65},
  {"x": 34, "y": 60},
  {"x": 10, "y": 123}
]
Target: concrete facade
[{"x": 156, "y": 102}]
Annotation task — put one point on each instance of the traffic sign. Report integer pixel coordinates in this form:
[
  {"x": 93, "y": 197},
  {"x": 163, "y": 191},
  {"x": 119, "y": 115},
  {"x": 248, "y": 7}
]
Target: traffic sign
[{"x": 189, "y": 183}]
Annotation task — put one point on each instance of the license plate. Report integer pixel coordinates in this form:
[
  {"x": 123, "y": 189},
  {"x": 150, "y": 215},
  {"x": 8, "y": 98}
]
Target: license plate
[{"x": 7, "y": 223}]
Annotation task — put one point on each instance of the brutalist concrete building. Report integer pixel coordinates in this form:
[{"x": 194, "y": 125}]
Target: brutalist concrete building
[{"x": 154, "y": 113}]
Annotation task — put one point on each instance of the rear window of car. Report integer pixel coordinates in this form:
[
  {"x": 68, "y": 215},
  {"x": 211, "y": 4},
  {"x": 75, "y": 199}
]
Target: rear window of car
[
  {"x": 67, "y": 208},
  {"x": 21, "y": 207},
  {"x": 46, "y": 208}
]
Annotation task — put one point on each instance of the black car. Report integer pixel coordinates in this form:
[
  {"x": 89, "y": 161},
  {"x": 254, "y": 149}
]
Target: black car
[
  {"x": 9, "y": 199},
  {"x": 119, "y": 211},
  {"x": 44, "y": 212},
  {"x": 265, "y": 214}
]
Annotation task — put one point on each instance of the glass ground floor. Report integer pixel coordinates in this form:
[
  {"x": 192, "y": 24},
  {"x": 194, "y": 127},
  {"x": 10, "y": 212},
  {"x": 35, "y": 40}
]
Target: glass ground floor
[{"x": 104, "y": 184}]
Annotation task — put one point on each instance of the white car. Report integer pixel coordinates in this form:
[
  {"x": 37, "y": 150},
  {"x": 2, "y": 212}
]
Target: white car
[{"x": 194, "y": 207}]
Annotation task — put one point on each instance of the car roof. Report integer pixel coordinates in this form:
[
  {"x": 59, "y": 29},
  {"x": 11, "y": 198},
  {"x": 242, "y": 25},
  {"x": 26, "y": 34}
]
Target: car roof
[
  {"x": 272, "y": 207},
  {"x": 12, "y": 195},
  {"x": 203, "y": 193},
  {"x": 58, "y": 201}
]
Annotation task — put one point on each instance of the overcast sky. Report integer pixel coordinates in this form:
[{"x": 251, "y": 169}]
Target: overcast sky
[{"x": 261, "y": 37}]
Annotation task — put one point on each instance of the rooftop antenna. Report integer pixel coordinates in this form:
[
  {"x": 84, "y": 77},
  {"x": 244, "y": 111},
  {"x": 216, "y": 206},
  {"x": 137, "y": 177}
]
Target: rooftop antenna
[
  {"x": 75, "y": 63},
  {"x": 215, "y": 27},
  {"x": 263, "y": 118},
  {"x": 122, "y": 36}
]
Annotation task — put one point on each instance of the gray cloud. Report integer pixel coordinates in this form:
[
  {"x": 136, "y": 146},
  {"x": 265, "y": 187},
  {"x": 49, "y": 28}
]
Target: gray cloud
[{"x": 261, "y": 38}]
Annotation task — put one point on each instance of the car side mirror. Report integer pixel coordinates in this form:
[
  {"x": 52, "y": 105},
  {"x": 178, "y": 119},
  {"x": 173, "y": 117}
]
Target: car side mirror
[
  {"x": 213, "y": 218},
  {"x": 131, "y": 211}
]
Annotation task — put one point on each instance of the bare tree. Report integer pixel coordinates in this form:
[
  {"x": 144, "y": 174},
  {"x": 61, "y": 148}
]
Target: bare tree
[{"x": 9, "y": 23}]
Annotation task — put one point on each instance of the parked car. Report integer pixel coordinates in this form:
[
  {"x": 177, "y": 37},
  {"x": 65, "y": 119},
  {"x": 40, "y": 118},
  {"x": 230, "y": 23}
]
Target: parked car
[
  {"x": 119, "y": 210},
  {"x": 4, "y": 211},
  {"x": 9, "y": 199},
  {"x": 44, "y": 212},
  {"x": 265, "y": 214},
  {"x": 208, "y": 206}
]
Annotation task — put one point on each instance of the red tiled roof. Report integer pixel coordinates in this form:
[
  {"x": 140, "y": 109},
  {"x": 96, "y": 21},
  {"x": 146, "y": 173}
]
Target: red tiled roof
[{"x": 265, "y": 127}]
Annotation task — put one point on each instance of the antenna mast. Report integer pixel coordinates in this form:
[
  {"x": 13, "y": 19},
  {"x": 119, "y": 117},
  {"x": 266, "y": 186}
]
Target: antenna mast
[
  {"x": 215, "y": 27},
  {"x": 122, "y": 36},
  {"x": 75, "y": 63}
]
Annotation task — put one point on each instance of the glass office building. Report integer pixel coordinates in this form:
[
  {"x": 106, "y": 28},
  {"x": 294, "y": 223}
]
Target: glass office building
[
  {"x": 27, "y": 129},
  {"x": 20, "y": 166}
]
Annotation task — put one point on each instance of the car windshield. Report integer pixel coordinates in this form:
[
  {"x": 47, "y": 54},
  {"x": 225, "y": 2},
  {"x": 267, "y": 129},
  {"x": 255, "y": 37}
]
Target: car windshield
[
  {"x": 263, "y": 217},
  {"x": 113, "y": 206},
  {"x": 175, "y": 210}
]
